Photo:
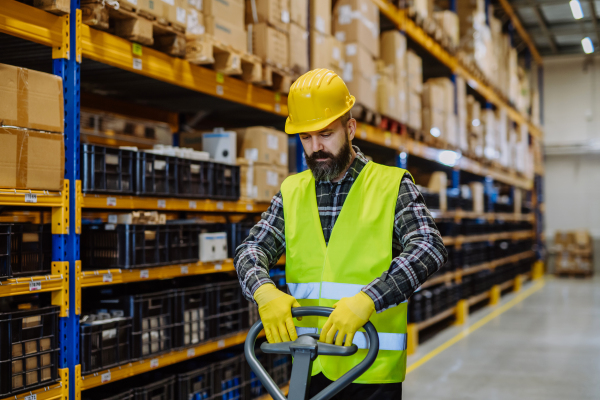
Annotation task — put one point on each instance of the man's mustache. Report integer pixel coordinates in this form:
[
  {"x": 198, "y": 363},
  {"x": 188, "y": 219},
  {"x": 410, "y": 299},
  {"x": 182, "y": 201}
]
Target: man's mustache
[{"x": 320, "y": 155}]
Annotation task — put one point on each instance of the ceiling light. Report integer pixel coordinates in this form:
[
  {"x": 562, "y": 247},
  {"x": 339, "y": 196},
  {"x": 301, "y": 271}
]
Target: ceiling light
[
  {"x": 587, "y": 44},
  {"x": 576, "y": 9}
]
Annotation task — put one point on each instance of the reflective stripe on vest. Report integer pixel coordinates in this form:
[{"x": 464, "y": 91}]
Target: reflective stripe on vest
[{"x": 359, "y": 250}]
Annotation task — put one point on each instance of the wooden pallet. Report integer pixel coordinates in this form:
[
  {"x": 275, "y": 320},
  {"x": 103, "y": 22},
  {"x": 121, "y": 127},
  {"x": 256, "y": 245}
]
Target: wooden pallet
[
  {"x": 204, "y": 49},
  {"x": 364, "y": 114},
  {"x": 135, "y": 25},
  {"x": 574, "y": 274},
  {"x": 276, "y": 78}
]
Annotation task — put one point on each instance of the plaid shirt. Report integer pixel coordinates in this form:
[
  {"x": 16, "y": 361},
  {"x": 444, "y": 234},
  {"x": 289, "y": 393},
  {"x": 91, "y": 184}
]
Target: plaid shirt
[{"x": 417, "y": 247}]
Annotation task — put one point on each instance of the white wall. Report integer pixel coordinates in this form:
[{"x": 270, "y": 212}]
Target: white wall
[{"x": 572, "y": 115}]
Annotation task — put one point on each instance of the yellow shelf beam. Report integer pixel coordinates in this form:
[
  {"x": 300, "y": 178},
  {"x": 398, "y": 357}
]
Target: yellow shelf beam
[
  {"x": 30, "y": 23},
  {"x": 169, "y": 204},
  {"x": 57, "y": 391},
  {"x": 416, "y": 33},
  {"x": 394, "y": 141},
  {"x": 460, "y": 214},
  {"x": 117, "y": 276},
  {"x": 491, "y": 237},
  {"x": 285, "y": 389},
  {"x": 19, "y": 286},
  {"x": 112, "y": 50},
  {"x": 139, "y": 367}
]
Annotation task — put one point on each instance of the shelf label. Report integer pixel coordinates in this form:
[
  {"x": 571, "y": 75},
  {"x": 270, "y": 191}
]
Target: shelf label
[
  {"x": 144, "y": 274},
  {"x": 388, "y": 138},
  {"x": 249, "y": 207},
  {"x": 136, "y": 49},
  {"x": 193, "y": 205},
  {"x": 220, "y": 78},
  {"x": 154, "y": 363},
  {"x": 30, "y": 397},
  {"x": 161, "y": 204},
  {"x": 363, "y": 134},
  {"x": 191, "y": 352},
  {"x": 137, "y": 63},
  {"x": 218, "y": 267},
  {"x": 220, "y": 90},
  {"x": 111, "y": 201},
  {"x": 277, "y": 97},
  {"x": 277, "y": 107},
  {"x": 107, "y": 278},
  {"x": 184, "y": 270},
  {"x": 220, "y": 205},
  {"x": 105, "y": 377},
  {"x": 221, "y": 344},
  {"x": 35, "y": 286},
  {"x": 113, "y": 219},
  {"x": 30, "y": 198}
]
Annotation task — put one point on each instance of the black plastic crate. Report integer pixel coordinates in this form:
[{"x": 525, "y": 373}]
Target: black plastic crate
[
  {"x": 25, "y": 250},
  {"x": 229, "y": 309},
  {"x": 161, "y": 390},
  {"x": 107, "y": 246},
  {"x": 279, "y": 366},
  {"x": 103, "y": 395},
  {"x": 229, "y": 379},
  {"x": 155, "y": 174},
  {"x": 184, "y": 245},
  {"x": 107, "y": 169},
  {"x": 237, "y": 233},
  {"x": 152, "y": 320},
  {"x": 226, "y": 181},
  {"x": 195, "y": 178},
  {"x": 104, "y": 343},
  {"x": 192, "y": 315},
  {"x": 28, "y": 350},
  {"x": 196, "y": 385}
]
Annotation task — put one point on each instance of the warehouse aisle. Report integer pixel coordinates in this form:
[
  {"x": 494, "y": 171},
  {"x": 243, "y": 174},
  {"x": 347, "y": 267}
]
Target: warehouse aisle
[{"x": 545, "y": 347}]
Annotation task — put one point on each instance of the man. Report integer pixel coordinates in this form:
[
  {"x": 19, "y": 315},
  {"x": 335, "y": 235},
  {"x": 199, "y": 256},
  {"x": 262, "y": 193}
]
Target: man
[{"x": 357, "y": 237}]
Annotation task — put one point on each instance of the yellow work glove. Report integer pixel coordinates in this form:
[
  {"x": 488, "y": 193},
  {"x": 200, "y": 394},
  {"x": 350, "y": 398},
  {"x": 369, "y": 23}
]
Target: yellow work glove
[
  {"x": 349, "y": 315},
  {"x": 275, "y": 309}
]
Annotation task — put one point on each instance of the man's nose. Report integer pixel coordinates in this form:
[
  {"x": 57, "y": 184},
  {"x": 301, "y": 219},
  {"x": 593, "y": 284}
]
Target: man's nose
[{"x": 316, "y": 143}]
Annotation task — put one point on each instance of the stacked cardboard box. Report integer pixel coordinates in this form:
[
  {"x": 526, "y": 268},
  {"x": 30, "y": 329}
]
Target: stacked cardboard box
[
  {"x": 298, "y": 36},
  {"x": 474, "y": 127},
  {"x": 574, "y": 249},
  {"x": 461, "y": 113},
  {"x": 448, "y": 21},
  {"x": 320, "y": 16},
  {"x": 224, "y": 20},
  {"x": 423, "y": 8},
  {"x": 356, "y": 25},
  {"x": 439, "y": 117},
  {"x": 31, "y": 126},
  {"x": 393, "y": 55},
  {"x": 269, "y": 25},
  {"x": 326, "y": 52},
  {"x": 415, "y": 89},
  {"x": 263, "y": 156},
  {"x": 387, "y": 91}
]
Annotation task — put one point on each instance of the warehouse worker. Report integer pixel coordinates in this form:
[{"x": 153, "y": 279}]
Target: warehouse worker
[{"x": 357, "y": 237}]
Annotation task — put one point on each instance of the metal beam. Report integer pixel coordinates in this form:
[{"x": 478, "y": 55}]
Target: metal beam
[
  {"x": 595, "y": 21},
  {"x": 542, "y": 23},
  {"x": 568, "y": 28},
  {"x": 527, "y": 3},
  {"x": 522, "y": 32}
]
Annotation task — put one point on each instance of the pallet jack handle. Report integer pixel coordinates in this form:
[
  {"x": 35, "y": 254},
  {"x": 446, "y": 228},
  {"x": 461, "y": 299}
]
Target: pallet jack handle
[{"x": 305, "y": 350}]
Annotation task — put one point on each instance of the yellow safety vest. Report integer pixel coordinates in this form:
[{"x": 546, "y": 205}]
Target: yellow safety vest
[{"x": 359, "y": 250}]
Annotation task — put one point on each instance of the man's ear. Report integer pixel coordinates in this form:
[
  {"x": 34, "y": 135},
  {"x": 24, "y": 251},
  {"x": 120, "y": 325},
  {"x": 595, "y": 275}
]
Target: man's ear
[{"x": 351, "y": 128}]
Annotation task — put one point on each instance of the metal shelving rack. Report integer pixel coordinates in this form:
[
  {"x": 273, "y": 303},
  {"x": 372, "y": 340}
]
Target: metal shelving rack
[{"x": 70, "y": 40}]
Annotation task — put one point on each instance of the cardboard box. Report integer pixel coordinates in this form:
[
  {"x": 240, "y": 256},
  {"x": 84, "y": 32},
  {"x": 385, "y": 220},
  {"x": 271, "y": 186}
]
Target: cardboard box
[
  {"x": 136, "y": 30},
  {"x": 433, "y": 96},
  {"x": 423, "y": 7},
  {"x": 175, "y": 12},
  {"x": 261, "y": 182},
  {"x": 357, "y": 21},
  {"x": 195, "y": 4},
  {"x": 415, "y": 72},
  {"x": 274, "y": 12},
  {"x": 58, "y": 7},
  {"x": 449, "y": 22},
  {"x": 298, "y": 43},
  {"x": 262, "y": 145},
  {"x": 363, "y": 88},
  {"x": 320, "y": 12},
  {"x": 478, "y": 197},
  {"x": 414, "y": 111},
  {"x": 387, "y": 97},
  {"x": 226, "y": 11},
  {"x": 31, "y": 99},
  {"x": 299, "y": 12},
  {"x": 149, "y": 7},
  {"x": 270, "y": 44},
  {"x": 358, "y": 59},
  {"x": 393, "y": 52},
  {"x": 227, "y": 33},
  {"x": 31, "y": 159},
  {"x": 195, "y": 22},
  {"x": 434, "y": 122}
]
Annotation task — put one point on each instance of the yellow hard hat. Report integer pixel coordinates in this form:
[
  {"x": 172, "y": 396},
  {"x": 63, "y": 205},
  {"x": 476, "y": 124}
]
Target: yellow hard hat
[{"x": 316, "y": 99}]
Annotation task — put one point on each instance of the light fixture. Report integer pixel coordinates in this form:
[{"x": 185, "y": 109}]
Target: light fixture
[
  {"x": 476, "y": 122},
  {"x": 576, "y": 9},
  {"x": 588, "y": 46}
]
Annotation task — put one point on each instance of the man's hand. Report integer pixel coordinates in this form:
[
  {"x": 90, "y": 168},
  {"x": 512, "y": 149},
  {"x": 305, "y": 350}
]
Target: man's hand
[
  {"x": 275, "y": 309},
  {"x": 349, "y": 315}
]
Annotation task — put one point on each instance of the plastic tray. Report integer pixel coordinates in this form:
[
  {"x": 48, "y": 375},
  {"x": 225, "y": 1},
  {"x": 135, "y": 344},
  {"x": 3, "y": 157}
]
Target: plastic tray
[
  {"x": 106, "y": 169},
  {"x": 105, "y": 343}
]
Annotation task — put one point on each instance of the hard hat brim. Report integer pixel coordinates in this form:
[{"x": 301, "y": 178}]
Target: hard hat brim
[{"x": 291, "y": 128}]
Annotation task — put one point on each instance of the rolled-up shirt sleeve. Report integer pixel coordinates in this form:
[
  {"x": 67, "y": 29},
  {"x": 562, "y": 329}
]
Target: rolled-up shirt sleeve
[
  {"x": 422, "y": 250},
  {"x": 261, "y": 249}
]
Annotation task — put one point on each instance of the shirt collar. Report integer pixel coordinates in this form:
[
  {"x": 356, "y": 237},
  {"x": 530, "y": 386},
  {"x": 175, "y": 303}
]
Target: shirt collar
[{"x": 355, "y": 168}]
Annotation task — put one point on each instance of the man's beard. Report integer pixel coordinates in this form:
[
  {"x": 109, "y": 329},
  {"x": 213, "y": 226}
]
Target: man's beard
[{"x": 333, "y": 166}]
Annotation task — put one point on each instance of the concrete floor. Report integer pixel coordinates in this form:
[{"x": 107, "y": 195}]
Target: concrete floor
[{"x": 545, "y": 347}]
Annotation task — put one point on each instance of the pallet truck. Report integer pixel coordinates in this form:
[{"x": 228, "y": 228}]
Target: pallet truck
[{"x": 305, "y": 350}]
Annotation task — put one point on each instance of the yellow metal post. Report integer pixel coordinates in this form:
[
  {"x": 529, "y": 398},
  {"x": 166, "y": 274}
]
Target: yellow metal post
[
  {"x": 61, "y": 297},
  {"x": 60, "y": 215},
  {"x": 538, "y": 270},
  {"x": 78, "y": 382},
  {"x": 64, "y": 378},
  {"x": 462, "y": 312},
  {"x": 495, "y": 295},
  {"x": 412, "y": 338},
  {"x": 518, "y": 283}
]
